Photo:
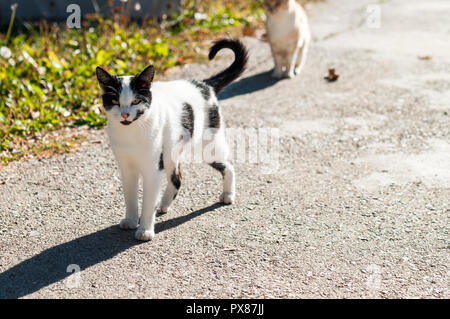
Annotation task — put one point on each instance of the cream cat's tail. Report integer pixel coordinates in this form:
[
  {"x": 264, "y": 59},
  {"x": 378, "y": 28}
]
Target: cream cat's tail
[{"x": 224, "y": 78}]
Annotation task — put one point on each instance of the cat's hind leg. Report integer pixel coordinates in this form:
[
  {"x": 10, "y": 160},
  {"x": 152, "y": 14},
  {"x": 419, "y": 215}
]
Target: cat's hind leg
[
  {"x": 289, "y": 59},
  {"x": 227, "y": 171},
  {"x": 301, "y": 58},
  {"x": 152, "y": 179},
  {"x": 173, "y": 173},
  {"x": 222, "y": 164}
]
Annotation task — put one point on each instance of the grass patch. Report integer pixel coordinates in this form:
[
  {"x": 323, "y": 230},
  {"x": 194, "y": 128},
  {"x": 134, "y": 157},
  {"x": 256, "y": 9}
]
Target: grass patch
[{"x": 47, "y": 76}]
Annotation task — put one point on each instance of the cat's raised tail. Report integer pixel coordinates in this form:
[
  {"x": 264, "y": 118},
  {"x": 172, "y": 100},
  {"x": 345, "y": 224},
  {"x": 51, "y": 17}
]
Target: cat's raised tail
[{"x": 224, "y": 78}]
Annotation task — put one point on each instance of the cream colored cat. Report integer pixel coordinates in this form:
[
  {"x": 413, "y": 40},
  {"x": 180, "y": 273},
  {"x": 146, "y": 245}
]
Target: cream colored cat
[{"x": 289, "y": 36}]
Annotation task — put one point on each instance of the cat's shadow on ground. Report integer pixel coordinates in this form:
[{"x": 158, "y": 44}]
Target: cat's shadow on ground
[
  {"x": 248, "y": 85},
  {"x": 51, "y": 265}
]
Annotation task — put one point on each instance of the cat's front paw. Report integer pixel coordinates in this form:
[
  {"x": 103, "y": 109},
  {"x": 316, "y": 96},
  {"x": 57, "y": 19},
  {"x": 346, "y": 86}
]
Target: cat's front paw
[
  {"x": 128, "y": 223},
  {"x": 144, "y": 234},
  {"x": 162, "y": 210},
  {"x": 289, "y": 75},
  {"x": 227, "y": 198},
  {"x": 277, "y": 74}
]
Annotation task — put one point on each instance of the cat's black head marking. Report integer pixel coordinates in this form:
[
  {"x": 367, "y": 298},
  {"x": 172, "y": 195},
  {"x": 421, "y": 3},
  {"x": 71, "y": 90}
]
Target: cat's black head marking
[
  {"x": 141, "y": 83},
  {"x": 139, "y": 113},
  {"x": 108, "y": 83},
  {"x": 111, "y": 87}
]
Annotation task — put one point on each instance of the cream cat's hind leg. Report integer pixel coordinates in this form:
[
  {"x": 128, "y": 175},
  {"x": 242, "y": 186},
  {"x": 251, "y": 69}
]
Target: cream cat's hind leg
[
  {"x": 301, "y": 58},
  {"x": 293, "y": 52},
  {"x": 291, "y": 58}
]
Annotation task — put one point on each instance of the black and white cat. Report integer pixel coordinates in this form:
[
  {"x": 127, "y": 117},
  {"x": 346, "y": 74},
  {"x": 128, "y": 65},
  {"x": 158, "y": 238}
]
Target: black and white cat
[{"x": 147, "y": 122}]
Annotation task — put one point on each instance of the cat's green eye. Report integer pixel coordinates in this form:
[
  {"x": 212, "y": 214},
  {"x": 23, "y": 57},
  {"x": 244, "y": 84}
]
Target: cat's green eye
[
  {"x": 115, "y": 102},
  {"x": 136, "y": 102}
]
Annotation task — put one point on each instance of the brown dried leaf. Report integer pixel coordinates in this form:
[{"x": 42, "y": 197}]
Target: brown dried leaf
[{"x": 332, "y": 76}]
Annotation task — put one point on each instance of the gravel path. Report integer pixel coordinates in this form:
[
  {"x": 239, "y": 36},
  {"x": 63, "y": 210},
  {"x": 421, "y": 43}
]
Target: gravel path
[{"x": 358, "y": 205}]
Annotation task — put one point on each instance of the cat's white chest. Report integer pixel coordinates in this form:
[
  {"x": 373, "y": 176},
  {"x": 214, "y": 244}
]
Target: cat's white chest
[
  {"x": 281, "y": 22},
  {"x": 134, "y": 144},
  {"x": 127, "y": 137}
]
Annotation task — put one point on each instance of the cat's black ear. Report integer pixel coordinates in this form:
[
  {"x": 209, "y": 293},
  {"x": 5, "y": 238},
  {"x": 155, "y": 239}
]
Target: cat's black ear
[
  {"x": 105, "y": 79},
  {"x": 145, "y": 78}
]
